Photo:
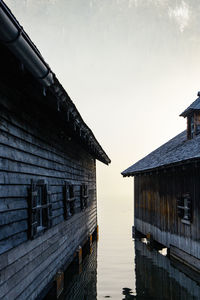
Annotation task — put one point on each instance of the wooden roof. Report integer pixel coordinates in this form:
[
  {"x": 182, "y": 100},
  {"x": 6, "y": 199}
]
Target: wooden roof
[
  {"x": 177, "y": 150},
  {"x": 194, "y": 106}
]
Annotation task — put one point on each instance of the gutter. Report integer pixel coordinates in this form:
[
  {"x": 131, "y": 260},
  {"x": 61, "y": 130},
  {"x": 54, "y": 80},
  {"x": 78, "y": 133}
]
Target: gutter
[
  {"x": 13, "y": 35},
  {"x": 15, "y": 38}
]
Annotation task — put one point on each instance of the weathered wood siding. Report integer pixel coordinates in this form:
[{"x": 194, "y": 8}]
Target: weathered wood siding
[
  {"x": 156, "y": 207},
  {"x": 34, "y": 145}
]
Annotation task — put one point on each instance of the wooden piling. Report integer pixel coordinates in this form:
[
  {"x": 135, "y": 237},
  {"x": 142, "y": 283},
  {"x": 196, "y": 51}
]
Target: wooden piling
[
  {"x": 79, "y": 255},
  {"x": 149, "y": 237},
  {"x": 59, "y": 278},
  {"x": 97, "y": 233},
  {"x": 90, "y": 243}
]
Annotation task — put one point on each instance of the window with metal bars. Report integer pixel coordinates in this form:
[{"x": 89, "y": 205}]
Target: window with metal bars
[{"x": 40, "y": 208}]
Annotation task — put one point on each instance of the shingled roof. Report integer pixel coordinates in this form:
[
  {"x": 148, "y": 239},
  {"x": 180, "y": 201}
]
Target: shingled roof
[
  {"x": 177, "y": 150},
  {"x": 194, "y": 106}
]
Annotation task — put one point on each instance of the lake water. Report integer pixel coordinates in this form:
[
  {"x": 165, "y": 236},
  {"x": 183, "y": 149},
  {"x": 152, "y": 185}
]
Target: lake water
[{"x": 121, "y": 268}]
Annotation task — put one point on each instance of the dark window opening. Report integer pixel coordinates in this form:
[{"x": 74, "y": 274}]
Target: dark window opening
[
  {"x": 193, "y": 125},
  {"x": 184, "y": 208},
  {"x": 40, "y": 208}
]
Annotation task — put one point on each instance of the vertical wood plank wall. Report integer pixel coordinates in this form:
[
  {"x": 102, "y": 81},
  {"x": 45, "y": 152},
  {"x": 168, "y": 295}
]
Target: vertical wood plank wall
[
  {"x": 155, "y": 200},
  {"x": 32, "y": 146}
]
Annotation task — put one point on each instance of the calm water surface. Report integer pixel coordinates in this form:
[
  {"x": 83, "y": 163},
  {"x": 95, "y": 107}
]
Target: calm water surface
[{"x": 120, "y": 268}]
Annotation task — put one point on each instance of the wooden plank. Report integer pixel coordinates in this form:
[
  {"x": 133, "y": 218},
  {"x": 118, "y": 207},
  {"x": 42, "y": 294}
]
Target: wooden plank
[
  {"x": 20, "y": 167},
  {"x": 10, "y": 243},
  {"x": 27, "y": 140},
  {"x": 185, "y": 257},
  {"x": 13, "y": 204},
  {"x": 27, "y": 158},
  {"x": 52, "y": 241},
  {"x": 26, "y": 249},
  {"x": 11, "y": 216},
  {"x": 25, "y": 178},
  {"x": 14, "y": 286},
  {"x": 12, "y": 229}
]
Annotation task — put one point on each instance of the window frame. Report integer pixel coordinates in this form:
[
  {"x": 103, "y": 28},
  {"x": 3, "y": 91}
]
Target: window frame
[
  {"x": 69, "y": 200},
  {"x": 40, "y": 208},
  {"x": 184, "y": 208}
]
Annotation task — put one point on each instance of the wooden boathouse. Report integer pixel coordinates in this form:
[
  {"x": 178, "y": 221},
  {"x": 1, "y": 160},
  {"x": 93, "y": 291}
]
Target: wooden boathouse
[
  {"x": 48, "y": 206},
  {"x": 167, "y": 192}
]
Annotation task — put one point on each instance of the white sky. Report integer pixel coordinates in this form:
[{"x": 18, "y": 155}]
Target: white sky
[{"x": 130, "y": 66}]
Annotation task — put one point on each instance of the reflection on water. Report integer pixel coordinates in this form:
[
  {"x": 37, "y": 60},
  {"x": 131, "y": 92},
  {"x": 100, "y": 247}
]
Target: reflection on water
[
  {"x": 127, "y": 293},
  {"x": 80, "y": 281},
  {"x": 157, "y": 278},
  {"x": 120, "y": 268}
]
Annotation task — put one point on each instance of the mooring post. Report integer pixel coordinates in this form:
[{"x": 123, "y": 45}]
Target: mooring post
[
  {"x": 97, "y": 233},
  {"x": 149, "y": 237},
  {"x": 90, "y": 243},
  {"x": 59, "y": 278},
  {"x": 79, "y": 254}
]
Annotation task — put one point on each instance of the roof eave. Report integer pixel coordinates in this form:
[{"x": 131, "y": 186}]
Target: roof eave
[
  {"x": 159, "y": 168},
  {"x": 188, "y": 112},
  {"x": 19, "y": 43}
]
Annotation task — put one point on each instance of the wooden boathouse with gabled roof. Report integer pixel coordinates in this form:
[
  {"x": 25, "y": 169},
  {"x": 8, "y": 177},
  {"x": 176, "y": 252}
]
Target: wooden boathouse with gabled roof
[
  {"x": 167, "y": 192},
  {"x": 48, "y": 206}
]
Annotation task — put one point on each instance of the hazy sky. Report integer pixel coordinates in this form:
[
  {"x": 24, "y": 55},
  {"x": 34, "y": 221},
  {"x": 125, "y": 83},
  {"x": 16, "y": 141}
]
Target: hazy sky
[{"x": 130, "y": 66}]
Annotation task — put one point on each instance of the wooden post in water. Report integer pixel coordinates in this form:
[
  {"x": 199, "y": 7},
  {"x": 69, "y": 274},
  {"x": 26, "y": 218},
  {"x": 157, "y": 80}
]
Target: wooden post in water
[
  {"x": 79, "y": 254},
  {"x": 90, "y": 243},
  {"x": 59, "y": 283},
  {"x": 97, "y": 233},
  {"x": 149, "y": 237}
]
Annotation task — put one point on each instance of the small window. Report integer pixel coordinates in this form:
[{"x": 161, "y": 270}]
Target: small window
[
  {"x": 84, "y": 196},
  {"x": 184, "y": 208},
  {"x": 40, "y": 208},
  {"x": 69, "y": 200}
]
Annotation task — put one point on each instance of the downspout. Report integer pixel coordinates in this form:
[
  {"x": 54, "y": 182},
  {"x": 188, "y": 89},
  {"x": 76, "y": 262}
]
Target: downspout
[{"x": 13, "y": 36}]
